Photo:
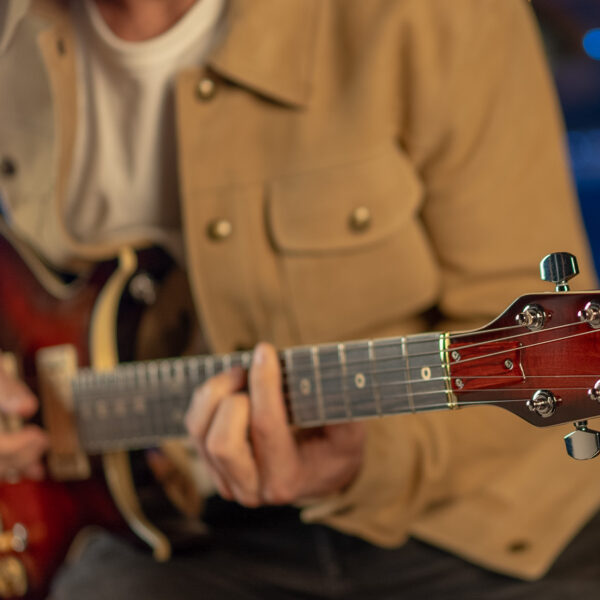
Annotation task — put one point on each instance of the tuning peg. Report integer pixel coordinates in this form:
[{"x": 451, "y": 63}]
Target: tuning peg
[
  {"x": 558, "y": 268},
  {"x": 583, "y": 443}
]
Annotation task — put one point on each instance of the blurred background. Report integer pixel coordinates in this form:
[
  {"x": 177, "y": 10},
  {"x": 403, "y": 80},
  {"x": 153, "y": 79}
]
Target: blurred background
[{"x": 571, "y": 31}]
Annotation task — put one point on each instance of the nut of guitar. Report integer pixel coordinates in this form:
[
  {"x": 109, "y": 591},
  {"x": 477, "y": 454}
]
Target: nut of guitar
[{"x": 13, "y": 579}]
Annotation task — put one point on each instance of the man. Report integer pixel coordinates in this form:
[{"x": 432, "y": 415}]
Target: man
[{"x": 345, "y": 170}]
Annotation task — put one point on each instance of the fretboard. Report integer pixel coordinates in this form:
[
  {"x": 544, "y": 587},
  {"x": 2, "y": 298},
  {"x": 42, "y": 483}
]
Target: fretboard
[{"x": 141, "y": 403}]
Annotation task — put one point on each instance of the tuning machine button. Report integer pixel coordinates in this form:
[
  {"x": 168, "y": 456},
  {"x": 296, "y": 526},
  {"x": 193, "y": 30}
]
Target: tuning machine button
[
  {"x": 594, "y": 392},
  {"x": 558, "y": 268},
  {"x": 590, "y": 314},
  {"x": 532, "y": 316},
  {"x": 583, "y": 443},
  {"x": 543, "y": 402}
]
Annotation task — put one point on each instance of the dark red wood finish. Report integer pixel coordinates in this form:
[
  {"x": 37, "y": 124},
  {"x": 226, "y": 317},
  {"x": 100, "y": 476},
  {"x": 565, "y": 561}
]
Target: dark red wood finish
[
  {"x": 31, "y": 318},
  {"x": 563, "y": 357}
]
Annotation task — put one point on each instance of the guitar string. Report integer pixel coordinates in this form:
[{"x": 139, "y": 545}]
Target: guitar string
[
  {"x": 88, "y": 372},
  {"x": 341, "y": 397},
  {"x": 437, "y": 352},
  {"x": 424, "y": 382},
  {"x": 123, "y": 371},
  {"x": 309, "y": 369},
  {"x": 431, "y": 406},
  {"x": 553, "y": 340},
  {"x": 146, "y": 438},
  {"x": 435, "y": 340}
]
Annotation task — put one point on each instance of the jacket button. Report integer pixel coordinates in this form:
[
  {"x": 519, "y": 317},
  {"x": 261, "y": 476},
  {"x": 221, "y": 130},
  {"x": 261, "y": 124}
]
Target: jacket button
[
  {"x": 219, "y": 229},
  {"x": 8, "y": 167},
  {"x": 360, "y": 219},
  {"x": 206, "y": 89}
]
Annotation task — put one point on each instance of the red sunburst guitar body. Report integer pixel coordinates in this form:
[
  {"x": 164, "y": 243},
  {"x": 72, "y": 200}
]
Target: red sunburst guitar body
[
  {"x": 32, "y": 318},
  {"x": 539, "y": 360}
]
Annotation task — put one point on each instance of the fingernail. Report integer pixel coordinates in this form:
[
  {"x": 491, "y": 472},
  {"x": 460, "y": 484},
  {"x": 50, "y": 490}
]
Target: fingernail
[{"x": 260, "y": 355}]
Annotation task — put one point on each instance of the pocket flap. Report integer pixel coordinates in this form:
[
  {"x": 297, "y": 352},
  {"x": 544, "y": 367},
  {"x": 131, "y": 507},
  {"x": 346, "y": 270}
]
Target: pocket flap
[{"x": 343, "y": 207}]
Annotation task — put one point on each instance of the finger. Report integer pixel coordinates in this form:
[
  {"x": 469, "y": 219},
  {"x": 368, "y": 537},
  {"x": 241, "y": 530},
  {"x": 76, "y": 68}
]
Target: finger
[
  {"x": 164, "y": 470},
  {"x": 274, "y": 445},
  {"x": 331, "y": 457},
  {"x": 206, "y": 398},
  {"x": 21, "y": 449},
  {"x": 15, "y": 397},
  {"x": 222, "y": 488},
  {"x": 35, "y": 471},
  {"x": 229, "y": 452}
]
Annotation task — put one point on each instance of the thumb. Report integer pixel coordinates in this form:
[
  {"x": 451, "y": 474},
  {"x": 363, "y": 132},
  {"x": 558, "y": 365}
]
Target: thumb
[{"x": 15, "y": 397}]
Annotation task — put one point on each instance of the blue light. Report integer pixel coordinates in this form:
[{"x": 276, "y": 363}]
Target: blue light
[{"x": 591, "y": 43}]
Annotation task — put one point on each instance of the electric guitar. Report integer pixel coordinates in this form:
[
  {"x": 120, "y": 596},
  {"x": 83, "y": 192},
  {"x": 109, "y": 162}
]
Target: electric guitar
[{"x": 539, "y": 360}]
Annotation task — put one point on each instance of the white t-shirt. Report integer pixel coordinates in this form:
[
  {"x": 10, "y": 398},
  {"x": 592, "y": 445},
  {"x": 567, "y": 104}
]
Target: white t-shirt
[{"x": 124, "y": 177}]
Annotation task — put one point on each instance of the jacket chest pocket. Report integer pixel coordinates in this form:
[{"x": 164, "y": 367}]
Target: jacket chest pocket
[{"x": 352, "y": 252}]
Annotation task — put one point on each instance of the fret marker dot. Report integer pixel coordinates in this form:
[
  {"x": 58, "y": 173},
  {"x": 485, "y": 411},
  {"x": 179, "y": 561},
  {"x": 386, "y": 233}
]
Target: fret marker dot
[
  {"x": 426, "y": 373},
  {"x": 359, "y": 381},
  {"x": 305, "y": 386}
]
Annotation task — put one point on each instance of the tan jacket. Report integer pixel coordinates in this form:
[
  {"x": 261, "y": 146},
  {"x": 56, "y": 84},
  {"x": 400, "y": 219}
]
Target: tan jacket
[{"x": 437, "y": 117}]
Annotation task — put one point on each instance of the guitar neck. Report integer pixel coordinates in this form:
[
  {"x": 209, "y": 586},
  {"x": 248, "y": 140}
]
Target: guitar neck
[{"x": 141, "y": 403}]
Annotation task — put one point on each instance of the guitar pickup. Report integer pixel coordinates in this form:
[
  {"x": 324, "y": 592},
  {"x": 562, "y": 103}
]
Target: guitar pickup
[{"x": 484, "y": 366}]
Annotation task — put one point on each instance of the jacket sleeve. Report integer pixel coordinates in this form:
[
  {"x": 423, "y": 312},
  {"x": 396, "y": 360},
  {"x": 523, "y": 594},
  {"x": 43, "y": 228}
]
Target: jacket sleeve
[{"x": 485, "y": 135}]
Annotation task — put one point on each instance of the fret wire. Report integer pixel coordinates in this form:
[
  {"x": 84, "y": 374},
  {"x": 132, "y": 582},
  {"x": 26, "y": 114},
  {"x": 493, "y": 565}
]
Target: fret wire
[
  {"x": 375, "y": 386},
  {"x": 342, "y": 360},
  {"x": 332, "y": 384},
  {"x": 289, "y": 361},
  {"x": 246, "y": 359},
  {"x": 190, "y": 372},
  {"x": 411, "y": 400},
  {"x": 141, "y": 380},
  {"x": 317, "y": 375},
  {"x": 210, "y": 366}
]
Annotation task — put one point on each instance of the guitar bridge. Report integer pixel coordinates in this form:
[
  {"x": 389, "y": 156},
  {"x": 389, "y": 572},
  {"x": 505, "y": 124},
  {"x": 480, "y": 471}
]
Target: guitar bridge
[{"x": 56, "y": 366}]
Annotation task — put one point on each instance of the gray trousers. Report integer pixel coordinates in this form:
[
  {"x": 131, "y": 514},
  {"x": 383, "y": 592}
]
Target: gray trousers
[{"x": 267, "y": 553}]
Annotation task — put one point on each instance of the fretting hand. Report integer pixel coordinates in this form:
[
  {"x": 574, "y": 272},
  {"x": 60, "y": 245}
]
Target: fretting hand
[{"x": 254, "y": 455}]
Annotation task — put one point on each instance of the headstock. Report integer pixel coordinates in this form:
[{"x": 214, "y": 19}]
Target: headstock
[{"x": 539, "y": 360}]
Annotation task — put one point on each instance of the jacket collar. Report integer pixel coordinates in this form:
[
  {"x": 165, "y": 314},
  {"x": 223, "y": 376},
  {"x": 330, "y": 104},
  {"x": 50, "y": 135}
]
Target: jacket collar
[{"x": 269, "y": 46}]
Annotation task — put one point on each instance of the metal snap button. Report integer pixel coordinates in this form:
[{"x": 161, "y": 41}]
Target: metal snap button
[
  {"x": 219, "y": 229},
  {"x": 206, "y": 88},
  {"x": 360, "y": 219}
]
